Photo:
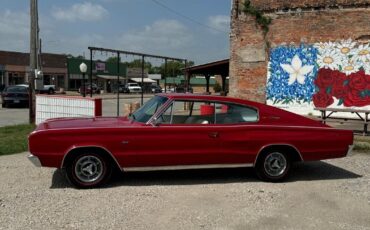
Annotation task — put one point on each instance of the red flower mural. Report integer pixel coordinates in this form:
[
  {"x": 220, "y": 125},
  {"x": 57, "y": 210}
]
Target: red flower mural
[
  {"x": 352, "y": 90},
  {"x": 322, "y": 99}
]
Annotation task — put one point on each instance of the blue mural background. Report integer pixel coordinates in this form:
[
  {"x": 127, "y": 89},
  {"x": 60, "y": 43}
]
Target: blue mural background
[{"x": 278, "y": 89}]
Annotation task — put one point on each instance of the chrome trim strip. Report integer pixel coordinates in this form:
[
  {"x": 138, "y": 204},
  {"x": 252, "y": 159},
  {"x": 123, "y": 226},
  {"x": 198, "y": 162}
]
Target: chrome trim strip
[
  {"x": 89, "y": 146},
  {"x": 35, "y": 160},
  {"x": 275, "y": 144},
  {"x": 182, "y": 167},
  {"x": 350, "y": 152}
]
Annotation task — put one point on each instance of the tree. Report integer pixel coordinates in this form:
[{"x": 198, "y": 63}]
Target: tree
[
  {"x": 112, "y": 59},
  {"x": 217, "y": 87},
  {"x": 174, "y": 68}
]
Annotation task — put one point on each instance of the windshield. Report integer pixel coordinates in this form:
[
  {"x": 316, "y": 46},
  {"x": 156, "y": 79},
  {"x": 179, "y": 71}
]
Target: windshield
[{"x": 144, "y": 113}]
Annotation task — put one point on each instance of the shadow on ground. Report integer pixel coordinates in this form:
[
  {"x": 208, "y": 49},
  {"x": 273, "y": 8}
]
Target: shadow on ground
[{"x": 309, "y": 171}]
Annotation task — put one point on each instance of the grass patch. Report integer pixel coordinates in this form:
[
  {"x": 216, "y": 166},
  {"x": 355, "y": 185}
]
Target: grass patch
[
  {"x": 362, "y": 144},
  {"x": 13, "y": 139}
]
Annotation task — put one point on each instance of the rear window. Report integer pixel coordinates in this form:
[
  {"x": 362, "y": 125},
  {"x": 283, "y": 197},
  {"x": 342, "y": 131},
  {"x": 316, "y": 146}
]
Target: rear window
[{"x": 16, "y": 89}]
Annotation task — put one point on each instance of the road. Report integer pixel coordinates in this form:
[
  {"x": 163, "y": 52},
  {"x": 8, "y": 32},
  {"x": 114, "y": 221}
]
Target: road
[
  {"x": 331, "y": 194},
  {"x": 14, "y": 116}
]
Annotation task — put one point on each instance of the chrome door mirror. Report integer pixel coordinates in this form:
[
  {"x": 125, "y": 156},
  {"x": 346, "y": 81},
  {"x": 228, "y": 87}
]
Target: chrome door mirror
[{"x": 155, "y": 121}]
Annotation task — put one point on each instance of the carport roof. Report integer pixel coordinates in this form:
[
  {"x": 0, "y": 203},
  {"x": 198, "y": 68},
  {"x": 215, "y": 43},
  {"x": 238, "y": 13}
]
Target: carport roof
[
  {"x": 108, "y": 77},
  {"x": 213, "y": 68}
]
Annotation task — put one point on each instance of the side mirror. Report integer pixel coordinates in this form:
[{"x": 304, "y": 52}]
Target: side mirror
[{"x": 155, "y": 122}]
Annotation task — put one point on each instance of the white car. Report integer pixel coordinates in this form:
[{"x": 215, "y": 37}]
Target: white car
[{"x": 133, "y": 88}]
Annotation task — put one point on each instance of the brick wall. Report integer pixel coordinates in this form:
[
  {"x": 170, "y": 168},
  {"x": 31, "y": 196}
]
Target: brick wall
[{"x": 293, "y": 22}]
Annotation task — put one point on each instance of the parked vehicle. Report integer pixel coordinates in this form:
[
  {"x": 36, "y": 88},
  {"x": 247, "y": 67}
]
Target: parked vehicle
[
  {"x": 155, "y": 89},
  {"x": 121, "y": 87},
  {"x": 178, "y": 89},
  {"x": 182, "y": 131},
  {"x": 49, "y": 89},
  {"x": 95, "y": 88},
  {"x": 15, "y": 95},
  {"x": 133, "y": 88}
]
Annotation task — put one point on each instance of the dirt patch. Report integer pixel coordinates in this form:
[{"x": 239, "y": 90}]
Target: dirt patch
[{"x": 330, "y": 194}]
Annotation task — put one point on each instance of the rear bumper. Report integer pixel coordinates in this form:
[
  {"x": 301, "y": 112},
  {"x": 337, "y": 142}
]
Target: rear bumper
[
  {"x": 35, "y": 160},
  {"x": 350, "y": 152}
]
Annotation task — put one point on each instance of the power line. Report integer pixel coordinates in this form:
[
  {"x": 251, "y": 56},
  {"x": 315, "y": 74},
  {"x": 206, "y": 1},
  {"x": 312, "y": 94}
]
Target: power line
[{"x": 186, "y": 17}]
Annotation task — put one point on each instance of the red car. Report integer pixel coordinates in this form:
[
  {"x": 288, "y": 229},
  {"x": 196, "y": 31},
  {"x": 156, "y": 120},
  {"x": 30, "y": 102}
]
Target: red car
[{"x": 182, "y": 131}]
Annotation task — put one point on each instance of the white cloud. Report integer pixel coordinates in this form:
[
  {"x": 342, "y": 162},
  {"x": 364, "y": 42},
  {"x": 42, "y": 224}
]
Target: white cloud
[
  {"x": 86, "y": 11},
  {"x": 75, "y": 44},
  {"x": 14, "y": 31},
  {"x": 163, "y": 36},
  {"x": 219, "y": 22}
]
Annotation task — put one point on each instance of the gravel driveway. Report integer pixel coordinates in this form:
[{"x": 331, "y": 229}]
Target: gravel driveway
[{"x": 332, "y": 194}]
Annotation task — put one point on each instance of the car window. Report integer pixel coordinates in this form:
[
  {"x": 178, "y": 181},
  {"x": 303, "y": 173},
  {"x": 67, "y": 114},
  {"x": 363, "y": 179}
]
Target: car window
[
  {"x": 227, "y": 113},
  {"x": 144, "y": 113},
  {"x": 189, "y": 113}
]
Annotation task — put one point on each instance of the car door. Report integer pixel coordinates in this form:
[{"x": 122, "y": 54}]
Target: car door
[
  {"x": 236, "y": 137},
  {"x": 182, "y": 136}
]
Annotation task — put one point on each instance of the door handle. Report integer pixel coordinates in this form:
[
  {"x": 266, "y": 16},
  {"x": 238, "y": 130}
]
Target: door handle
[{"x": 213, "y": 134}]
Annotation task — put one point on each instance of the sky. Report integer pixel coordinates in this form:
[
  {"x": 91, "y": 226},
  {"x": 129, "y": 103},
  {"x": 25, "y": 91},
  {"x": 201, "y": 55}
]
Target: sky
[{"x": 196, "y": 30}]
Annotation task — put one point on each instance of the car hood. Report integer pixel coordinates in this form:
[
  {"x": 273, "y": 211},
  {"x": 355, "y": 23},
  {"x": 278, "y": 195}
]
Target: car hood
[{"x": 80, "y": 123}]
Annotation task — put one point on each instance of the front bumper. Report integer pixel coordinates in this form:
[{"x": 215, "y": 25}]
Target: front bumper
[
  {"x": 35, "y": 160},
  {"x": 350, "y": 152}
]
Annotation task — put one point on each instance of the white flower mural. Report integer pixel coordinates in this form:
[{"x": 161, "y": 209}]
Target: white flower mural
[
  {"x": 329, "y": 74},
  {"x": 346, "y": 46},
  {"x": 329, "y": 59},
  {"x": 296, "y": 71},
  {"x": 349, "y": 67},
  {"x": 362, "y": 53}
]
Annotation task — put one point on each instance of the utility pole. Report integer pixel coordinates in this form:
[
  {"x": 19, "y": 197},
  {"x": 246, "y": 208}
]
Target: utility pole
[{"x": 33, "y": 60}]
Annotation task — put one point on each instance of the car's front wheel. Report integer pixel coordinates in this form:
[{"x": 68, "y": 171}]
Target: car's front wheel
[
  {"x": 89, "y": 170},
  {"x": 273, "y": 166}
]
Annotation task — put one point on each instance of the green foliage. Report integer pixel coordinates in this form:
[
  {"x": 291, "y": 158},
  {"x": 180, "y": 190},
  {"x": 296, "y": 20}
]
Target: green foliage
[
  {"x": 13, "y": 139},
  {"x": 137, "y": 64},
  {"x": 174, "y": 68},
  {"x": 217, "y": 87},
  {"x": 261, "y": 20},
  {"x": 112, "y": 60},
  {"x": 362, "y": 144}
]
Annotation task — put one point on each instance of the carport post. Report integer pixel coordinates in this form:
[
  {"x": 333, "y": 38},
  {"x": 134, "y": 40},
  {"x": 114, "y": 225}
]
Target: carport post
[
  {"x": 165, "y": 75},
  {"x": 186, "y": 77},
  {"x": 90, "y": 75},
  {"x": 223, "y": 77},
  {"x": 118, "y": 83},
  {"x": 142, "y": 80},
  {"x": 207, "y": 82}
]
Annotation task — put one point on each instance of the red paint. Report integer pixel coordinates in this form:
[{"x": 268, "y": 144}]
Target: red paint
[
  {"x": 207, "y": 109},
  {"x": 135, "y": 144},
  {"x": 98, "y": 107},
  {"x": 352, "y": 90}
]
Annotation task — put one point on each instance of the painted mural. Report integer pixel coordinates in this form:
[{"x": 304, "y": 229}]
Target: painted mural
[{"x": 331, "y": 74}]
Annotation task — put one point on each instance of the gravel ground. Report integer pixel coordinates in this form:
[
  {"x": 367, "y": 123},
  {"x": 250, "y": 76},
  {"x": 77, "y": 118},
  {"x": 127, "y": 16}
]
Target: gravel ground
[{"x": 332, "y": 194}]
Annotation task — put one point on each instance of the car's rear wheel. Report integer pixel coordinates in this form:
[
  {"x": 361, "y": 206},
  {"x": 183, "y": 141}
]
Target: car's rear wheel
[
  {"x": 4, "y": 105},
  {"x": 89, "y": 170},
  {"x": 51, "y": 91},
  {"x": 273, "y": 166}
]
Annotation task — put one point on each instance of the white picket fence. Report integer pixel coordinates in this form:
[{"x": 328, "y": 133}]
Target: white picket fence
[{"x": 52, "y": 106}]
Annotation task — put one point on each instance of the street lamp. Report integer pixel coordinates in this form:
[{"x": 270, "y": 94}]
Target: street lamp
[{"x": 83, "y": 69}]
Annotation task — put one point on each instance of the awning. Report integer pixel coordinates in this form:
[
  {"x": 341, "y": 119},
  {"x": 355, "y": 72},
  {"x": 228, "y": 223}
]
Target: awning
[
  {"x": 145, "y": 80},
  {"x": 109, "y": 77}
]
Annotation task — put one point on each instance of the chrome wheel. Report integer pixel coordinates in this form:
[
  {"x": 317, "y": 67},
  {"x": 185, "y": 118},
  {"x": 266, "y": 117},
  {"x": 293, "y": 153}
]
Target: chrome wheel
[
  {"x": 275, "y": 164},
  {"x": 89, "y": 169}
]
